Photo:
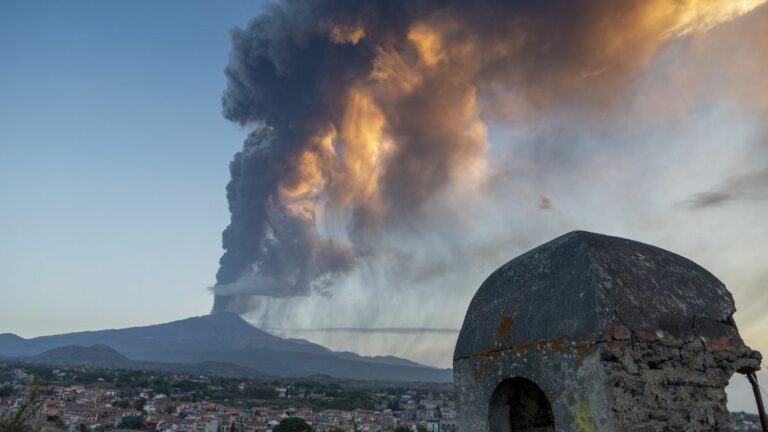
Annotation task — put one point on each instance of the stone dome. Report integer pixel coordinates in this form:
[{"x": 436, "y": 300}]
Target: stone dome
[
  {"x": 591, "y": 332},
  {"x": 584, "y": 285}
]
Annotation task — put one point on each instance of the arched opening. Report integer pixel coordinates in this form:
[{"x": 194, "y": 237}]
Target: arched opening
[{"x": 518, "y": 404}]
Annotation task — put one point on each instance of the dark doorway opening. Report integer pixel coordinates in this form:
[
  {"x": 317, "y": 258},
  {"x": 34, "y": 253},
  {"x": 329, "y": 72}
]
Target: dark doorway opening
[{"x": 518, "y": 404}]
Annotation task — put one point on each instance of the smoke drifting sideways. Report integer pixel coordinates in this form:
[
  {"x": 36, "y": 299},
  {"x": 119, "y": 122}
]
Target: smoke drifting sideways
[{"x": 365, "y": 111}]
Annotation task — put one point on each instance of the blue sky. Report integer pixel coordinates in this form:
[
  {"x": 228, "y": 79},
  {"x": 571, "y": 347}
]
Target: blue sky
[{"x": 113, "y": 160}]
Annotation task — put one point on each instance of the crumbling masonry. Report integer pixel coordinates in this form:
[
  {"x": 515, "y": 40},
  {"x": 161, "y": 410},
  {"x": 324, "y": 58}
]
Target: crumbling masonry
[{"x": 596, "y": 333}]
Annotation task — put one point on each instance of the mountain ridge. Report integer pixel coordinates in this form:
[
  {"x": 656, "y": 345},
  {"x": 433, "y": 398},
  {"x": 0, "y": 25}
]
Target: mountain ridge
[
  {"x": 96, "y": 354},
  {"x": 221, "y": 338}
]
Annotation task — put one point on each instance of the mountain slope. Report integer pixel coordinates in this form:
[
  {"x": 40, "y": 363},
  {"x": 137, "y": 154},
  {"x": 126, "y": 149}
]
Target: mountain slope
[
  {"x": 220, "y": 338},
  {"x": 213, "y": 332},
  {"x": 80, "y": 355},
  {"x": 106, "y": 357}
]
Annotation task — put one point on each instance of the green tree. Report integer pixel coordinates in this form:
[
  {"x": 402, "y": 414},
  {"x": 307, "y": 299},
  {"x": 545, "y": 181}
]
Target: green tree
[
  {"x": 121, "y": 404},
  {"x": 139, "y": 404},
  {"x": 258, "y": 391},
  {"x": 132, "y": 422},
  {"x": 394, "y": 405},
  {"x": 60, "y": 423},
  {"x": 26, "y": 418},
  {"x": 293, "y": 424},
  {"x": 402, "y": 429}
]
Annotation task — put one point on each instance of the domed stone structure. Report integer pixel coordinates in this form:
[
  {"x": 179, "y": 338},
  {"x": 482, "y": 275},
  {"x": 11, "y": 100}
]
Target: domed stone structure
[{"x": 596, "y": 333}]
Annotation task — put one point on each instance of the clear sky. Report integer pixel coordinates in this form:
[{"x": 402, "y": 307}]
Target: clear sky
[{"x": 113, "y": 160}]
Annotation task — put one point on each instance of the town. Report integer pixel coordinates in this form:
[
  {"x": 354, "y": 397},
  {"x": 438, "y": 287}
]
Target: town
[{"x": 95, "y": 399}]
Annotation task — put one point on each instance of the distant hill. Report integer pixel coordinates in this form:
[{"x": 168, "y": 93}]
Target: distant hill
[
  {"x": 80, "y": 355},
  {"x": 103, "y": 356},
  {"x": 390, "y": 360},
  {"x": 223, "y": 331},
  {"x": 222, "y": 341},
  {"x": 11, "y": 341}
]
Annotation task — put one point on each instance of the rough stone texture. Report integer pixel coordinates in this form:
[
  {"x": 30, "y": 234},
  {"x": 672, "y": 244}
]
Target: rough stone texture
[
  {"x": 671, "y": 384},
  {"x": 618, "y": 334}
]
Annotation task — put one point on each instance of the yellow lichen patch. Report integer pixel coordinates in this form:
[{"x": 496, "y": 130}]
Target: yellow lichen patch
[{"x": 585, "y": 417}]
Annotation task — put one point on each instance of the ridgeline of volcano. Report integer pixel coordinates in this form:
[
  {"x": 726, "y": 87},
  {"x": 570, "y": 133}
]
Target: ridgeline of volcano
[{"x": 221, "y": 338}]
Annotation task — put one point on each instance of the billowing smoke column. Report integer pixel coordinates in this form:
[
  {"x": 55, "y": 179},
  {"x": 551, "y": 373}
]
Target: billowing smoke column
[{"x": 364, "y": 110}]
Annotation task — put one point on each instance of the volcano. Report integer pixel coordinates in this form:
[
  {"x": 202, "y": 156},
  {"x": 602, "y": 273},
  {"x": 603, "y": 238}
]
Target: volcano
[{"x": 224, "y": 338}]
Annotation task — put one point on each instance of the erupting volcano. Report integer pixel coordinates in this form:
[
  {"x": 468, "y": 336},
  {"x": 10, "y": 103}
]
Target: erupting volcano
[{"x": 367, "y": 112}]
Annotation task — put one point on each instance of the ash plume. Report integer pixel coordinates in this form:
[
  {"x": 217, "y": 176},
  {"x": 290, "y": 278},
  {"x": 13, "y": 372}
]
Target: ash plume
[{"x": 366, "y": 111}]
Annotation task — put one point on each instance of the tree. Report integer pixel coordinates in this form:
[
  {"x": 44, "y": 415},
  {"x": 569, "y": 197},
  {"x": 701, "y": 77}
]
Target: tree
[
  {"x": 258, "y": 391},
  {"x": 394, "y": 405},
  {"x": 121, "y": 404},
  {"x": 293, "y": 424},
  {"x": 132, "y": 422},
  {"x": 27, "y": 417},
  {"x": 60, "y": 423},
  {"x": 139, "y": 404},
  {"x": 402, "y": 429}
]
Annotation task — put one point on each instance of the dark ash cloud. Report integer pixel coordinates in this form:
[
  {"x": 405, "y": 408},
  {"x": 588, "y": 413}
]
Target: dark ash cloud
[
  {"x": 365, "y": 111},
  {"x": 750, "y": 186}
]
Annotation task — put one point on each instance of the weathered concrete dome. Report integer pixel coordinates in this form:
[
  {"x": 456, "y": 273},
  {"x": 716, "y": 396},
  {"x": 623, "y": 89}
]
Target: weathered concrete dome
[
  {"x": 592, "y": 332},
  {"x": 582, "y": 284}
]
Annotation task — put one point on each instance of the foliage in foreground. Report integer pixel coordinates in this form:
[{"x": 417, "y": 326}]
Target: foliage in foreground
[{"x": 26, "y": 418}]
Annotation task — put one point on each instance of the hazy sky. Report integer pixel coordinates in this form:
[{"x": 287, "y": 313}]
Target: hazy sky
[{"x": 114, "y": 157}]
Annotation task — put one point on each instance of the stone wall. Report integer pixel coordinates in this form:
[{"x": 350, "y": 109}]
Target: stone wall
[
  {"x": 570, "y": 374},
  {"x": 624, "y": 381},
  {"x": 662, "y": 383}
]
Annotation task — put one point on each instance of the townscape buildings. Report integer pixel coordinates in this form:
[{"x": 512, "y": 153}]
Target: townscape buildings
[
  {"x": 101, "y": 406},
  {"x": 77, "y": 399}
]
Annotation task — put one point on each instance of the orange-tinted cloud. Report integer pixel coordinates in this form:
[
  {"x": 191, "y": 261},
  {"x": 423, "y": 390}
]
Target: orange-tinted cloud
[{"x": 374, "y": 107}]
